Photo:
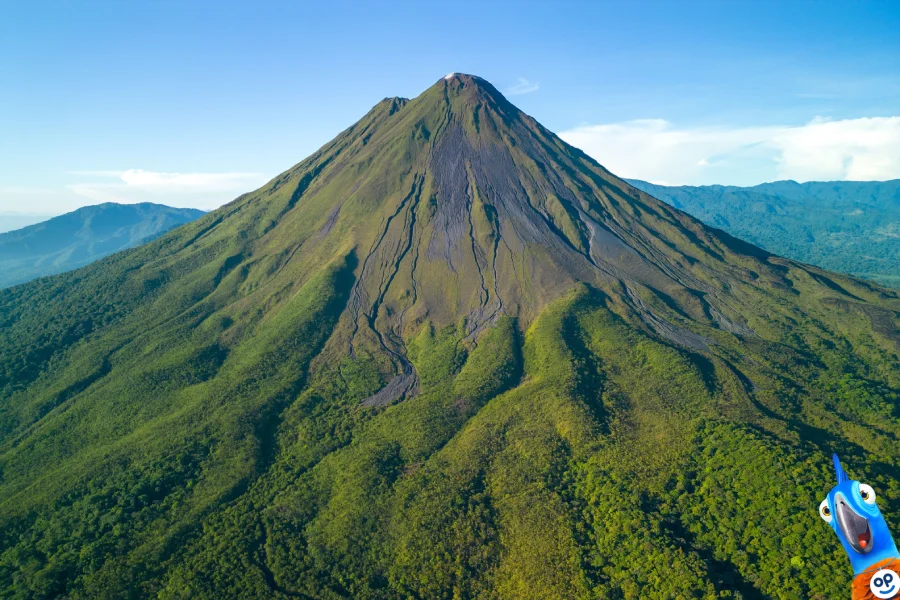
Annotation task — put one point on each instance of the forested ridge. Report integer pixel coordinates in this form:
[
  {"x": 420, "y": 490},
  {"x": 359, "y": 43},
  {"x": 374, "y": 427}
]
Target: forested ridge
[
  {"x": 847, "y": 226},
  {"x": 445, "y": 356}
]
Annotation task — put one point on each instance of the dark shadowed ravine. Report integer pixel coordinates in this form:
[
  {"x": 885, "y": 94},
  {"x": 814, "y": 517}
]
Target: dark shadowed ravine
[{"x": 445, "y": 356}]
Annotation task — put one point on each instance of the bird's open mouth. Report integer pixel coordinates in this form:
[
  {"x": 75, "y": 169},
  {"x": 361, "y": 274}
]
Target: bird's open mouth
[{"x": 855, "y": 527}]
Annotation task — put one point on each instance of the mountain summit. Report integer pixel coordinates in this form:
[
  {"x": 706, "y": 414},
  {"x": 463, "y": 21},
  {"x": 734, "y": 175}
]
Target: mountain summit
[{"x": 447, "y": 355}]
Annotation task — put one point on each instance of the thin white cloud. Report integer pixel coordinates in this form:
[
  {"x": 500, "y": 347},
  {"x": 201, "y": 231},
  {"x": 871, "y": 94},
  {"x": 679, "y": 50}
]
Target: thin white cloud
[
  {"x": 522, "y": 87},
  {"x": 24, "y": 190},
  {"x": 101, "y": 192},
  {"x": 176, "y": 182},
  {"x": 186, "y": 190},
  {"x": 201, "y": 190},
  {"x": 821, "y": 150},
  {"x": 115, "y": 174}
]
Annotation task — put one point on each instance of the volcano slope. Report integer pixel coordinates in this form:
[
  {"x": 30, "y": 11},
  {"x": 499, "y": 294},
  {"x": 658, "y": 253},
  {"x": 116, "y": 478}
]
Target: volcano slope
[{"x": 445, "y": 356}]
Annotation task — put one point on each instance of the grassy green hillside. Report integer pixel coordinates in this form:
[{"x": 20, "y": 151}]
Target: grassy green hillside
[
  {"x": 80, "y": 237},
  {"x": 445, "y": 356},
  {"x": 847, "y": 226}
]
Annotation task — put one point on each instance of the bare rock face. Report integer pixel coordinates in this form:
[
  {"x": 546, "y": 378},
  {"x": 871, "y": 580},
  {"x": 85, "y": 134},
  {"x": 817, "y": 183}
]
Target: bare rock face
[
  {"x": 459, "y": 206},
  {"x": 447, "y": 355}
]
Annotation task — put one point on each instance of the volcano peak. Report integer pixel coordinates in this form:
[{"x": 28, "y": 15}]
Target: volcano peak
[
  {"x": 466, "y": 84},
  {"x": 445, "y": 355}
]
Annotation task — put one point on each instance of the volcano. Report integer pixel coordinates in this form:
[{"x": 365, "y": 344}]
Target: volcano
[{"x": 446, "y": 356}]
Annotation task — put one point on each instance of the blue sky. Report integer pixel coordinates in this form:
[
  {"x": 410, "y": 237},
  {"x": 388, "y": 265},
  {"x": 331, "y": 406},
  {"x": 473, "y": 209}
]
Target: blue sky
[{"x": 193, "y": 103}]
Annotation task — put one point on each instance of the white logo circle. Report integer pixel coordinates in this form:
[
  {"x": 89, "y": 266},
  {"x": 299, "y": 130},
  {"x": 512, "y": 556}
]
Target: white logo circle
[{"x": 884, "y": 584}]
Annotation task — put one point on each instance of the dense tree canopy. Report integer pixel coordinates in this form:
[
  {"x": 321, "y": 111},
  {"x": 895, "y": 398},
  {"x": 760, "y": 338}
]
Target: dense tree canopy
[{"x": 447, "y": 356}]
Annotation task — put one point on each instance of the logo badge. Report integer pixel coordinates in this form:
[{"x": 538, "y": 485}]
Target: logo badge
[{"x": 884, "y": 584}]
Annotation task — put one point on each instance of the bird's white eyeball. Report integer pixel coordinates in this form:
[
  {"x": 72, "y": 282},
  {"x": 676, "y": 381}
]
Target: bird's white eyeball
[
  {"x": 867, "y": 493},
  {"x": 825, "y": 512}
]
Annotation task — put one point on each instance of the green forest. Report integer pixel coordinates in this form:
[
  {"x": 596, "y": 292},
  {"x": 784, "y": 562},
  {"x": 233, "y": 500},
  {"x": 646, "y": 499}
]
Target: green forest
[
  {"x": 445, "y": 356},
  {"x": 847, "y": 226}
]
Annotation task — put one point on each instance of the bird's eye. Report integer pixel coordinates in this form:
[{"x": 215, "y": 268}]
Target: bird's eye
[
  {"x": 867, "y": 493},
  {"x": 825, "y": 512}
]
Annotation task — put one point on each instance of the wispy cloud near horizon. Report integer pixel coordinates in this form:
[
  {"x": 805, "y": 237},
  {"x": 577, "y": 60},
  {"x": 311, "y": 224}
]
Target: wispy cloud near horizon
[
  {"x": 198, "y": 190},
  {"x": 184, "y": 190},
  {"x": 865, "y": 149},
  {"x": 523, "y": 86}
]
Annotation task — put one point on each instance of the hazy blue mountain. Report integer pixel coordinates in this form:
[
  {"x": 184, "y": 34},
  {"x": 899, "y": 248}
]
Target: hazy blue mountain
[
  {"x": 80, "y": 237},
  {"x": 849, "y": 226}
]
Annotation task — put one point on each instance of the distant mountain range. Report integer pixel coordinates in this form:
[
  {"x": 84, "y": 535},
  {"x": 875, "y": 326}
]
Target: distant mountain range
[
  {"x": 849, "y": 226},
  {"x": 80, "y": 237}
]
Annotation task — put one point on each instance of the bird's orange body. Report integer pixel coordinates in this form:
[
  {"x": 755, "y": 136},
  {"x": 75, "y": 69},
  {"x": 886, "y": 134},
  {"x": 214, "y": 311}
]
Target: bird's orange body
[{"x": 862, "y": 583}]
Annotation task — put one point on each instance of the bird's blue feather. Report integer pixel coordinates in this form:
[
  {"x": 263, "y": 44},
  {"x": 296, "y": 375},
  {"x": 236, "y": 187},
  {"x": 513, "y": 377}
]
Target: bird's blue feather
[{"x": 882, "y": 543}]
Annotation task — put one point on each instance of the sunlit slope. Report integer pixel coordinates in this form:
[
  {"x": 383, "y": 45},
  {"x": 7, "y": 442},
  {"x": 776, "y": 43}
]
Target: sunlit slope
[{"x": 447, "y": 355}]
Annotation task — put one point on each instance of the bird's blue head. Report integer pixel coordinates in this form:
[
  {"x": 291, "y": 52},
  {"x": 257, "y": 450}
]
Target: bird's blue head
[{"x": 851, "y": 511}]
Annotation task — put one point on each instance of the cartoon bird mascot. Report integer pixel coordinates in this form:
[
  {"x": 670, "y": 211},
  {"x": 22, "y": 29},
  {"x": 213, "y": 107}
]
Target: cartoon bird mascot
[{"x": 851, "y": 511}]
